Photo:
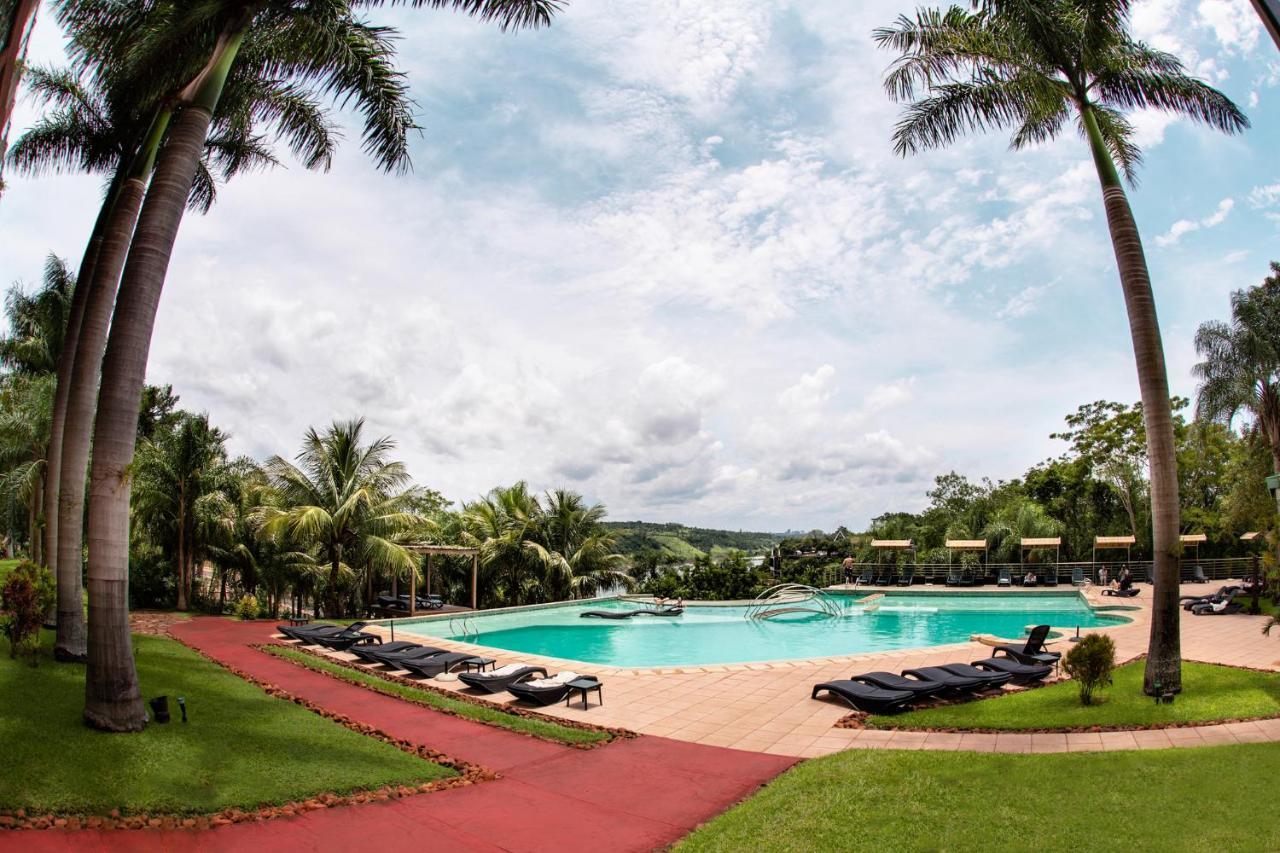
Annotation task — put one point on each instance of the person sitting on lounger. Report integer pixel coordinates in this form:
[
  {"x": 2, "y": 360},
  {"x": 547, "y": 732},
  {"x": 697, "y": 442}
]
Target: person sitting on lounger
[
  {"x": 1126, "y": 579},
  {"x": 1029, "y": 579}
]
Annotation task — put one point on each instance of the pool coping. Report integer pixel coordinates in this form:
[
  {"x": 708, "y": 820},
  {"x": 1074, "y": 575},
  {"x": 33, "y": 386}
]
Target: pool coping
[{"x": 576, "y": 665}]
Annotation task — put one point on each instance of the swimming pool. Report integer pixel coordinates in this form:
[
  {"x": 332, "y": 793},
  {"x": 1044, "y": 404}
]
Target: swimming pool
[{"x": 718, "y": 634}]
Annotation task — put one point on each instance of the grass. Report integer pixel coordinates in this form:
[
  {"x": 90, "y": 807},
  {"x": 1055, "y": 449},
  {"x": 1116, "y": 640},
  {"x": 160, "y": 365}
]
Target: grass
[
  {"x": 241, "y": 748},
  {"x": 7, "y": 566},
  {"x": 480, "y": 713},
  {"x": 1210, "y": 693},
  {"x": 898, "y": 800}
]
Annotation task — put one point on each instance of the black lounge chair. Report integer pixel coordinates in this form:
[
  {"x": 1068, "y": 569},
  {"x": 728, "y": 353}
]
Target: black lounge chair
[
  {"x": 1051, "y": 578},
  {"x": 919, "y": 687},
  {"x": 1004, "y": 579},
  {"x": 502, "y": 678},
  {"x": 952, "y": 684},
  {"x": 1121, "y": 593},
  {"x": 345, "y": 640},
  {"x": 302, "y": 632},
  {"x": 546, "y": 691},
  {"x": 908, "y": 577},
  {"x": 1032, "y": 651},
  {"x": 372, "y": 653},
  {"x": 865, "y": 697},
  {"x": 953, "y": 577},
  {"x": 1223, "y": 592},
  {"x": 966, "y": 578},
  {"x": 1020, "y": 672},
  {"x": 1219, "y": 605},
  {"x": 627, "y": 614},
  {"x": 1077, "y": 576},
  {"x": 989, "y": 679},
  {"x": 865, "y": 577},
  {"x": 433, "y": 665}
]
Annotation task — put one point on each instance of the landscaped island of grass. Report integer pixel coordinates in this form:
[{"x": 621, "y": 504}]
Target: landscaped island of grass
[
  {"x": 493, "y": 716},
  {"x": 242, "y": 748},
  {"x": 1209, "y": 693},
  {"x": 897, "y": 800}
]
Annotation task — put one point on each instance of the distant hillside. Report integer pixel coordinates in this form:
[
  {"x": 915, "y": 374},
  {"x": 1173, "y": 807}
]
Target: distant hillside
[{"x": 683, "y": 542}]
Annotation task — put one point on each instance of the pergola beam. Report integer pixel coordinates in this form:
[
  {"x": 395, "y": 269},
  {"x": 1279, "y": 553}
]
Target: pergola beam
[{"x": 430, "y": 549}]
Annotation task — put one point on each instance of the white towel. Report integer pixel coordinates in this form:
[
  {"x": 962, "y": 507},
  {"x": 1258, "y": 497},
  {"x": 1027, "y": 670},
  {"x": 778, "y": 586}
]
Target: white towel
[
  {"x": 509, "y": 669},
  {"x": 553, "y": 681}
]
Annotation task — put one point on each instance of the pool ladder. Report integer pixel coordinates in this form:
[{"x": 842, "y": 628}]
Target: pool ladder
[{"x": 467, "y": 626}]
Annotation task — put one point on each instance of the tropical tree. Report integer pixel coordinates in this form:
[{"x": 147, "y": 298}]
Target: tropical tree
[
  {"x": 180, "y": 485},
  {"x": 346, "y": 500},
  {"x": 1240, "y": 367},
  {"x": 1033, "y": 65},
  {"x": 318, "y": 46},
  {"x": 104, "y": 125}
]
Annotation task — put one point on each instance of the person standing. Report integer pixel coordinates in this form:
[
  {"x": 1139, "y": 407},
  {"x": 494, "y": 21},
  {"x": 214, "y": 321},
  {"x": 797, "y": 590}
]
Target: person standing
[{"x": 848, "y": 569}]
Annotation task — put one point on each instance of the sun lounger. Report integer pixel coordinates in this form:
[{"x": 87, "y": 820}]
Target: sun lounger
[
  {"x": 989, "y": 679},
  {"x": 1223, "y": 592},
  {"x": 1197, "y": 575},
  {"x": 1219, "y": 605},
  {"x": 345, "y": 640},
  {"x": 952, "y": 683},
  {"x": 1004, "y": 579},
  {"x": 628, "y": 614},
  {"x": 1021, "y": 673},
  {"x": 1121, "y": 593},
  {"x": 371, "y": 654},
  {"x": 433, "y": 665},
  {"x": 546, "y": 691},
  {"x": 502, "y": 678},
  {"x": 1032, "y": 651},
  {"x": 374, "y": 654},
  {"x": 953, "y": 577},
  {"x": 1077, "y": 576},
  {"x": 918, "y": 687},
  {"x": 865, "y": 577},
  {"x": 865, "y": 697},
  {"x": 301, "y": 632}
]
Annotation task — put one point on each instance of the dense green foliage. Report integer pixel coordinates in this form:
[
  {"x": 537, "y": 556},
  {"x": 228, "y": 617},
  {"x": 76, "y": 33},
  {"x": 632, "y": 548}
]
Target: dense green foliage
[
  {"x": 1209, "y": 693},
  {"x": 27, "y": 592},
  {"x": 877, "y": 800},
  {"x": 680, "y": 541},
  {"x": 1090, "y": 663},
  {"x": 241, "y": 748},
  {"x": 544, "y": 729}
]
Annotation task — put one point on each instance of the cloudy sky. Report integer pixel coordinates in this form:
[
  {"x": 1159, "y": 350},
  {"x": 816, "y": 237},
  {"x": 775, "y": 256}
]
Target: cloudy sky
[{"x": 662, "y": 253}]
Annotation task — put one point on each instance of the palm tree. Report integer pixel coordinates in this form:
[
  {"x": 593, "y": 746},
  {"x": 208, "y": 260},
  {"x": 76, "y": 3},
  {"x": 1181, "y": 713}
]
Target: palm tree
[
  {"x": 1240, "y": 370},
  {"x": 319, "y": 47},
  {"x": 1033, "y": 65},
  {"x": 345, "y": 499},
  {"x": 38, "y": 329},
  {"x": 89, "y": 127},
  {"x": 15, "y": 22},
  {"x": 180, "y": 481},
  {"x": 579, "y": 554}
]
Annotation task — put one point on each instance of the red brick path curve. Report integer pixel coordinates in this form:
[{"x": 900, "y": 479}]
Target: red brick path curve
[{"x": 638, "y": 794}]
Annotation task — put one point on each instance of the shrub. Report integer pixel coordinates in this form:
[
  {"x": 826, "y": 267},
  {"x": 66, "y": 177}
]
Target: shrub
[
  {"x": 27, "y": 594},
  {"x": 1090, "y": 662},
  {"x": 247, "y": 607}
]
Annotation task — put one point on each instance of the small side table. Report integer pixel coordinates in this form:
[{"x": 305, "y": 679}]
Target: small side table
[
  {"x": 478, "y": 664},
  {"x": 584, "y": 686},
  {"x": 298, "y": 620}
]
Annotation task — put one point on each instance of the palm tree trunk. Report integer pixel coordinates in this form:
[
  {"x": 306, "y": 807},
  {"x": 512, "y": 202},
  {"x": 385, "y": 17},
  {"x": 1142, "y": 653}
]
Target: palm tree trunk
[
  {"x": 66, "y": 360},
  {"x": 112, "y": 698},
  {"x": 82, "y": 391},
  {"x": 1164, "y": 652},
  {"x": 182, "y": 551}
]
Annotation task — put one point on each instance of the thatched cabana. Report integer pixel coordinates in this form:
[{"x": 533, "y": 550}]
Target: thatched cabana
[
  {"x": 890, "y": 545},
  {"x": 1113, "y": 543},
  {"x": 1034, "y": 543},
  {"x": 969, "y": 545}
]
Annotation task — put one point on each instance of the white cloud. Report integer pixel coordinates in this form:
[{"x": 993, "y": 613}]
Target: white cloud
[
  {"x": 1234, "y": 23},
  {"x": 1183, "y": 227}
]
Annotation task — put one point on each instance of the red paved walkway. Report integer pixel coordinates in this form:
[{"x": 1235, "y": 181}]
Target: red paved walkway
[{"x": 629, "y": 795}]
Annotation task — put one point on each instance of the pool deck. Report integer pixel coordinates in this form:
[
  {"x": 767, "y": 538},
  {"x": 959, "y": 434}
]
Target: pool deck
[{"x": 765, "y": 707}]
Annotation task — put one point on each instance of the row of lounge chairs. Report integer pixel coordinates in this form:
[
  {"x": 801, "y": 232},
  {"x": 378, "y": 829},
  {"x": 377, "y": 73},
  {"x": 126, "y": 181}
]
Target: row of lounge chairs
[
  {"x": 887, "y": 692},
  {"x": 401, "y": 602},
  {"x": 628, "y": 614},
  {"x": 1220, "y": 603},
  {"x": 519, "y": 679}
]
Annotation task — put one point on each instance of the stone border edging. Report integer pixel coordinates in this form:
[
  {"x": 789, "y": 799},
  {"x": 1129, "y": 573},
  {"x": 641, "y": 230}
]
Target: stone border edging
[
  {"x": 468, "y": 774},
  {"x": 614, "y": 733}
]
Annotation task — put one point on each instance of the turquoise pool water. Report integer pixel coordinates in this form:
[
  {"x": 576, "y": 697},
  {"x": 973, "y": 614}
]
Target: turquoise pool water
[{"x": 712, "y": 635}]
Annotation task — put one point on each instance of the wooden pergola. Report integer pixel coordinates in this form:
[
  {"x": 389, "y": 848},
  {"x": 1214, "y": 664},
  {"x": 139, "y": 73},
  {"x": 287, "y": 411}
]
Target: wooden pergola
[
  {"x": 1193, "y": 539},
  {"x": 1033, "y": 543},
  {"x": 971, "y": 545},
  {"x": 1113, "y": 543},
  {"x": 893, "y": 545},
  {"x": 444, "y": 550}
]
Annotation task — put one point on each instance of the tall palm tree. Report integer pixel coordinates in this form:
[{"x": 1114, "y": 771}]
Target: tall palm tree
[
  {"x": 95, "y": 126},
  {"x": 1240, "y": 370},
  {"x": 319, "y": 45},
  {"x": 579, "y": 554},
  {"x": 1033, "y": 65},
  {"x": 16, "y": 18},
  {"x": 31, "y": 350},
  {"x": 347, "y": 500},
  {"x": 180, "y": 480}
]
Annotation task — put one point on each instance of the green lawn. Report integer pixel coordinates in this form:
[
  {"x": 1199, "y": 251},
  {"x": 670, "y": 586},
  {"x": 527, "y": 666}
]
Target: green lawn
[
  {"x": 241, "y": 748},
  {"x": 1210, "y": 692},
  {"x": 7, "y": 566},
  {"x": 1175, "y": 799},
  {"x": 480, "y": 713}
]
